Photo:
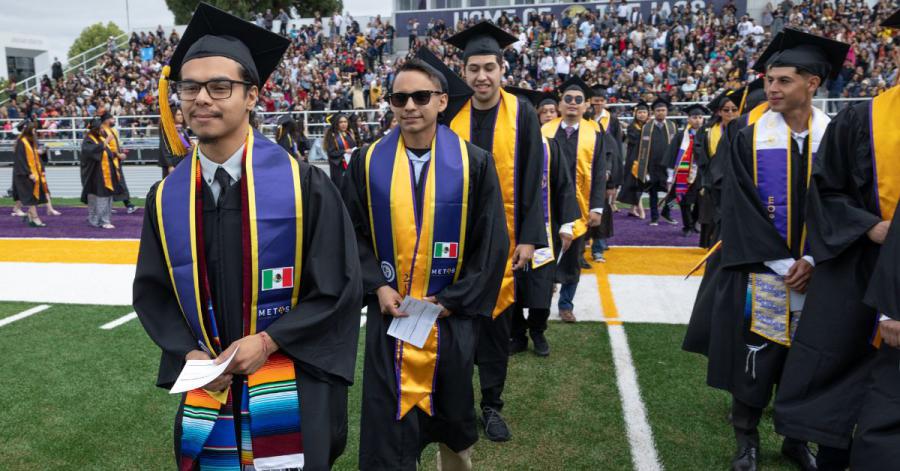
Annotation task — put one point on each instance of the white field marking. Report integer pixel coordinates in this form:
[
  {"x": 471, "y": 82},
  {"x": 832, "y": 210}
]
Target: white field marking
[
  {"x": 23, "y": 314},
  {"x": 658, "y": 299},
  {"x": 637, "y": 427},
  {"x": 73, "y": 283},
  {"x": 113, "y": 324}
]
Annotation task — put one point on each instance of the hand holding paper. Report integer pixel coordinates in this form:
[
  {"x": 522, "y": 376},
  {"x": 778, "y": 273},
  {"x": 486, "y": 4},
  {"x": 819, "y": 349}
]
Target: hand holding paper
[
  {"x": 414, "y": 328},
  {"x": 199, "y": 373}
]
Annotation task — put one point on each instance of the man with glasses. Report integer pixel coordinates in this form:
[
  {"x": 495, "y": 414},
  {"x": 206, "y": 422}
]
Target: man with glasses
[
  {"x": 247, "y": 254},
  {"x": 582, "y": 144},
  {"x": 428, "y": 215},
  {"x": 507, "y": 126}
]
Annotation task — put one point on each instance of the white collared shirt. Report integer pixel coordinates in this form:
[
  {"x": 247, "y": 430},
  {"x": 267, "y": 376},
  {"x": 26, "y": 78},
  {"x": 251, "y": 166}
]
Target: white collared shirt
[
  {"x": 232, "y": 166},
  {"x": 418, "y": 162}
]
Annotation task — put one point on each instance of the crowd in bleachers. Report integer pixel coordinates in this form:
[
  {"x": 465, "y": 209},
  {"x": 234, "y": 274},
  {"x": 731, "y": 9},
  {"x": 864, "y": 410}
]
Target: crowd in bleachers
[{"x": 336, "y": 63}]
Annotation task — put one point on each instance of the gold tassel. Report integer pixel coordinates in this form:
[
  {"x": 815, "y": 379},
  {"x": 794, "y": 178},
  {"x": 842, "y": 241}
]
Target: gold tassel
[{"x": 166, "y": 118}]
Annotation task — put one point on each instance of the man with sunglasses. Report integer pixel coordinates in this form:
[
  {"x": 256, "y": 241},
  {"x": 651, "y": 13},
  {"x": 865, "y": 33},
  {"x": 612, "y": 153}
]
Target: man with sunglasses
[
  {"x": 247, "y": 254},
  {"x": 507, "y": 126},
  {"x": 583, "y": 145},
  {"x": 428, "y": 215}
]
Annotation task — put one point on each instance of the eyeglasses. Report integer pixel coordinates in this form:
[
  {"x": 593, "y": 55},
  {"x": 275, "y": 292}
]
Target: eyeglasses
[
  {"x": 729, "y": 110},
  {"x": 219, "y": 89},
  {"x": 420, "y": 98},
  {"x": 577, "y": 99}
]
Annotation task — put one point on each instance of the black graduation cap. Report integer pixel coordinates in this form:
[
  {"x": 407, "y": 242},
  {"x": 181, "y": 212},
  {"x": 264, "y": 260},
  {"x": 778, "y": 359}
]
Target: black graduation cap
[
  {"x": 721, "y": 99},
  {"x": 483, "y": 38},
  {"x": 284, "y": 119},
  {"x": 538, "y": 98},
  {"x": 25, "y": 123},
  {"x": 95, "y": 123},
  {"x": 105, "y": 116},
  {"x": 575, "y": 82},
  {"x": 892, "y": 21},
  {"x": 215, "y": 33},
  {"x": 660, "y": 101},
  {"x": 457, "y": 90},
  {"x": 600, "y": 90},
  {"x": 755, "y": 93},
  {"x": 814, "y": 54},
  {"x": 696, "y": 110},
  {"x": 641, "y": 105}
]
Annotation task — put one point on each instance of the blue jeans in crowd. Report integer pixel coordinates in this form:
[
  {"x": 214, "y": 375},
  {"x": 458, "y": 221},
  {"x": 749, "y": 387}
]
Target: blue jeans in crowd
[
  {"x": 566, "y": 295},
  {"x": 599, "y": 246}
]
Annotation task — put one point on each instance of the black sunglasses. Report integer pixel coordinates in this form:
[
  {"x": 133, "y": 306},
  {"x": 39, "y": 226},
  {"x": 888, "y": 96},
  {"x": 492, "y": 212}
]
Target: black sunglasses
[
  {"x": 573, "y": 98},
  {"x": 420, "y": 98}
]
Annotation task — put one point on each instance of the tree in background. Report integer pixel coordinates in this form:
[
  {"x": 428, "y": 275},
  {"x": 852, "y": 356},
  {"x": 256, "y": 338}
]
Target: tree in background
[
  {"x": 182, "y": 9},
  {"x": 93, "y": 36}
]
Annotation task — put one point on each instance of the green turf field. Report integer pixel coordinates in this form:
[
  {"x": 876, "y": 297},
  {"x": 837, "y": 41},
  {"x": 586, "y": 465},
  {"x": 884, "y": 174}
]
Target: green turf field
[{"x": 78, "y": 397}]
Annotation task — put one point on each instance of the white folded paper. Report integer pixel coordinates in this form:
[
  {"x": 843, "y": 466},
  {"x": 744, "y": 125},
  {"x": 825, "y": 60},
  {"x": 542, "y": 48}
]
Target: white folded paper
[
  {"x": 415, "y": 328},
  {"x": 199, "y": 373}
]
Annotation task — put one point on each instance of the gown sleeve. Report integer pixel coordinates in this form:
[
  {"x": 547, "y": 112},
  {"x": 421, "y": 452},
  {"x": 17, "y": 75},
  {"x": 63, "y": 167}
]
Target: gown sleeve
[
  {"x": 598, "y": 174},
  {"x": 884, "y": 287},
  {"x": 531, "y": 226},
  {"x": 324, "y": 330},
  {"x": 748, "y": 237},
  {"x": 842, "y": 188},
  {"x": 487, "y": 244},
  {"x": 155, "y": 303},
  {"x": 566, "y": 205}
]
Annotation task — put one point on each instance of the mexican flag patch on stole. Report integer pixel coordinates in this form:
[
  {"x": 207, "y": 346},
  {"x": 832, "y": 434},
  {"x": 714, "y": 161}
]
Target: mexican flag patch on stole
[
  {"x": 277, "y": 278},
  {"x": 445, "y": 249}
]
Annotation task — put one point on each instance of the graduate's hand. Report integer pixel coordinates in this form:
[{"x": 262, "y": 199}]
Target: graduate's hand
[
  {"x": 171, "y": 168},
  {"x": 218, "y": 384},
  {"x": 32, "y": 177},
  {"x": 879, "y": 232},
  {"x": 444, "y": 311},
  {"x": 566, "y": 239},
  {"x": 522, "y": 256},
  {"x": 596, "y": 219},
  {"x": 389, "y": 300},
  {"x": 890, "y": 332},
  {"x": 253, "y": 354},
  {"x": 798, "y": 276}
]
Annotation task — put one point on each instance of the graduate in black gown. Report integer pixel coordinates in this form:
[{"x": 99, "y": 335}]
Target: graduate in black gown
[
  {"x": 615, "y": 165},
  {"x": 534, "y": 287},
  {"x": 301, "y": 308},
  {"x": 339, "y": 144},
  {"x": 851, "y": 201},
  {"x": 583, "y": 146},
  {"x": 683, "y": 167},
  {"x": 633, "y": 190},
  {"x": 29, "y": 180},
  {"x": 393, "y": 431},
  {"x": 650, "y": 163},
  {"x": 765, "y": 258},
  {"x": 168, "y": 159},
  {"x": 286, "y": 136},
  {"x": 507, "y": 127}
]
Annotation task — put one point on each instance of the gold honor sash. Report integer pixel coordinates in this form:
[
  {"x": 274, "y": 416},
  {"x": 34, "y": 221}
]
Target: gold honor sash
[{"x": 587, "y": 140}]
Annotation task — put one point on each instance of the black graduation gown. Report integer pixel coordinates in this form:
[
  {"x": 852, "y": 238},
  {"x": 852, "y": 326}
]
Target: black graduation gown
[
  {"x": 632, "y": 189},
  {"x": 529, "y": 212},
  {"x": 320, "y": 334},
  {"x": 122, "y": 191},
  {"x": 534, "y": 288},
  {"x": 614, "y": 176},
  {"x": 831, "y": 353},
  {"x": 878, "y": 430},
  {"x": 23, "y": 186},
  {"x": 748, "y": 240},
  {"x": 386, "y": 443},
  {"x": 287, "y": 143},
  {"x": 658, "y": 161},
  {"x": 671, "y": 160},
  {"x": 336, "y": 159},
  {"x": 697, "y": 336},
  {"x": 92, "y": 172},
  {"x": 706, "y": 210},
  {"x": 569, "y": 270},
  {"x": 166, "y": 157}
]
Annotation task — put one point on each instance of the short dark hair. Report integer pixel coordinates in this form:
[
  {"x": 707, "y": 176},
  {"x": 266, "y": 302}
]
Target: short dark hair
[
  {"x": 415, "y": 64},
  {"x": 496, "y": 55}
]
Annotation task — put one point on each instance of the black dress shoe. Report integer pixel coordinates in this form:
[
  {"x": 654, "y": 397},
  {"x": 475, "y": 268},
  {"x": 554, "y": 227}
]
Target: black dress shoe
[
  {"x": 583, "y": 263},
  {"x": 745, "y": 459},
  {"x": 799, "y": 453},
  {"x": 518, "y": 345},
  {"x": 495, "y": 428},
  {"x": 541, "y": 346}
]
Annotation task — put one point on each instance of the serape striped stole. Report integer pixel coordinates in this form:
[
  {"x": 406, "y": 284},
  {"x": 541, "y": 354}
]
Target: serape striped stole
[
  {"x": 885, "y": 132},
  {"x": 584, "y": 163},
  {"x": 272, "y": 228},
  {"x": 685, "y": 171},
  {"x": 768, "y": 299},
  {"x": 419, "y": 241},
  {"x": 505, "y": 152}
]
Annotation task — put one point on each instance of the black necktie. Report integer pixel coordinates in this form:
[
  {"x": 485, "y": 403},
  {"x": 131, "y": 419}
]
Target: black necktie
[{"x": 224, "y": 181}]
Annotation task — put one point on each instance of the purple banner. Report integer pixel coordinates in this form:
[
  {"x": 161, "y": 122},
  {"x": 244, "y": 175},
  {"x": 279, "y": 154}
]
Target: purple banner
[{"x": 452, "y": 15}]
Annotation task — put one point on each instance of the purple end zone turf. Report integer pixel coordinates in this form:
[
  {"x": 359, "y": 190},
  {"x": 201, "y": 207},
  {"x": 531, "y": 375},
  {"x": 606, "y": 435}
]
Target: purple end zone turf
[
  {"x": 634, "y": 231},
  {"x": 73, "y": 224}
]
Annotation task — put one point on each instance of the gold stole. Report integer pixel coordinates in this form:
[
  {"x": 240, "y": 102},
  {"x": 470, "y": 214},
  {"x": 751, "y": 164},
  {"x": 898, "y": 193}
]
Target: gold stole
[
  {"x": 35, "y": 167},
  {"x": 886, "y": 150},
  {"x": 603, "y": 120},
  {"x": 642, "y": 164},
  {"x": 757, "y": 112},
  {"x": 104, "y": 164},
  {"x": 504, "y": 155},
  {"x": 114, "y": 146},
  {"x": 587, "y": 140},
  {"x": 712, "y": 139}
]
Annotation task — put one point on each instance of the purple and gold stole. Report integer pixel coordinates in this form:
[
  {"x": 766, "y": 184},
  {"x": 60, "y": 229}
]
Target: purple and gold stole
[
  {"x": 587, "y": 140},
  {"x": 272, "y": 227},
  {"x": 545, "y": 255},
  {"x": 505, "y": 151},
  {"x": 768, "y": 299},
  {"x": 419, "y": 242},
  {"x": 885, "y": 164}
]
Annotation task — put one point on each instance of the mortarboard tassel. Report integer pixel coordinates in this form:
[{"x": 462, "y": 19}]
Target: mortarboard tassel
[{"x": 166, "y": 118}]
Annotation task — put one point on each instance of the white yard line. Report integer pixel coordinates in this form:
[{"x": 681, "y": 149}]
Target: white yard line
[
  {"x": 23, "y": 314},
  {"x": 640, "y": 435},
  {"x": 113, "y": 324}
]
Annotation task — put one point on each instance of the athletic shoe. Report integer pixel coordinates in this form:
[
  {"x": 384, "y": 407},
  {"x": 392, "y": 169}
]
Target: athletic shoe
[{"x": 495, "y": 428}]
